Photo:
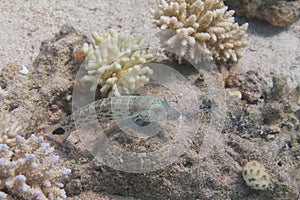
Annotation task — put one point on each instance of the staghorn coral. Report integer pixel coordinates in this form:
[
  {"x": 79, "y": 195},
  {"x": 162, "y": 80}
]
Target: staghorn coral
[
  {"x": 115, "y": 63},
  {"x": 28, "y": 168},
  {"x": 203, "y": 29}
]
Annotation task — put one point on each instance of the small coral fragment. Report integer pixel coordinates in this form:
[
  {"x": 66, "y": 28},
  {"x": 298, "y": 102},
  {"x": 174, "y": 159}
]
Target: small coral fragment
[
  {"x": 202, "y": 30},
  {"x": 255, "y": 175},
  {"x": 116, "y": 63}
]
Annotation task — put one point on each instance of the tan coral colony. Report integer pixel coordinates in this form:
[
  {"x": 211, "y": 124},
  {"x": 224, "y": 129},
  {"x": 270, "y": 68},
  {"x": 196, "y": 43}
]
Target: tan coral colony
[{"x": 202, "y": 30}]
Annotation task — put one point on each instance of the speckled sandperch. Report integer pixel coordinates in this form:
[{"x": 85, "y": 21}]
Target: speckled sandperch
[{"x": 138, "y": 108}]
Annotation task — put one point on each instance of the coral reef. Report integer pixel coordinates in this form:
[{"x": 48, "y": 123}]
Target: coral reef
[
  {"x": 188, "y": 177},
  {"x": 28, "y": 168},
  {"x": 255, "y": 175},
  {"x": 116, "y": 62},
  {"x": 277, "y": 13},
  {"x": 201, "y": 30}
]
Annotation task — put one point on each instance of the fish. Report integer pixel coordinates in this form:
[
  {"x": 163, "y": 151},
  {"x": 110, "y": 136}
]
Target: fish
[{"x": 141, "y": 109}]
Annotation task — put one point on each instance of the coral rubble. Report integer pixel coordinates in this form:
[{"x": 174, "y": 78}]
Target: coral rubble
[
  {"x": 201, "y": 30},
  {"x": 116, "y": 62},
  {"x": 281, "y": 106}
]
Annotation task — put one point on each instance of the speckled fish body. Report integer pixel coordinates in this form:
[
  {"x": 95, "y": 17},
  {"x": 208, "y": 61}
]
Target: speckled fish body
[{"x": 138, "y": 108}]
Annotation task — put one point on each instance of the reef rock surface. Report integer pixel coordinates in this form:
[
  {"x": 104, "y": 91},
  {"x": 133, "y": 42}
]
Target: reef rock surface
[{"x": 263, "y": 125}]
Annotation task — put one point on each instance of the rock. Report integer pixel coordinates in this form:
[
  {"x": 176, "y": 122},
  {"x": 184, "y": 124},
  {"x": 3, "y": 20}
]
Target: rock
[
  {"x": 280, "y": 105},
  {"x": 277, "y": 13},
  {"x": 281, "y": 14},
  {"x": 251, "y": 86}
]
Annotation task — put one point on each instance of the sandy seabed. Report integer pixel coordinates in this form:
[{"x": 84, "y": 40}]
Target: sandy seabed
[{"x": 25, "y": 24}]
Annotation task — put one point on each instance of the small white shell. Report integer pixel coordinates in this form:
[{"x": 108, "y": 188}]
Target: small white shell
[{"x": 24, "y": 70}]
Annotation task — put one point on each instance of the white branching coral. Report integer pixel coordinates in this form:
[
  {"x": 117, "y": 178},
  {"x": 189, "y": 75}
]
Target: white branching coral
[
  {"x": 29, "y": 168},
  {"x": 202, "y": 30},
  {"x": 115, "y": 62}
]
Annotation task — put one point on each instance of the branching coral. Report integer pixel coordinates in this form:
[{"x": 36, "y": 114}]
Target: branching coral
[
  {"x": 8, "y": 133},
  {"x": 28, "y": 168},
  {"x": 203, "y": 29},
  {"x": 115, "y": 63}
]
